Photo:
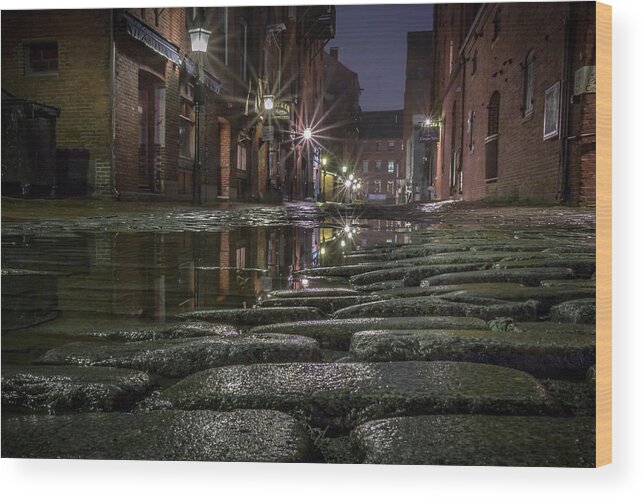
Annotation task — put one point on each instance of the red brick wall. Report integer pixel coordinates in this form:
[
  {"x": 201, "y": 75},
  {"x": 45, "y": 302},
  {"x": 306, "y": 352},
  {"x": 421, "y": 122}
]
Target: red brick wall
[
  {"x": 80, "y": 89},
  {"x": 528, "y": 165}
]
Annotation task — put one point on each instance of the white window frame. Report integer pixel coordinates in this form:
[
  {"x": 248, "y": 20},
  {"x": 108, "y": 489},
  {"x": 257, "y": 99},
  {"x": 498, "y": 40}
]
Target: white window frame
[{"x": 551, "y": 124}]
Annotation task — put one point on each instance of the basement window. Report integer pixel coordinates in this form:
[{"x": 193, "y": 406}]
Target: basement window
[{"x": 42, "y": 58}]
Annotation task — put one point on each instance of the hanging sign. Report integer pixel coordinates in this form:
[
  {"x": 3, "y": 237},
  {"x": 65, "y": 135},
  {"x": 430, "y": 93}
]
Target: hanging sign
[
  {"x": 268, "y": 133},
  {"x": 281, "y": 110},
  {"x": 430, "y": 134}
]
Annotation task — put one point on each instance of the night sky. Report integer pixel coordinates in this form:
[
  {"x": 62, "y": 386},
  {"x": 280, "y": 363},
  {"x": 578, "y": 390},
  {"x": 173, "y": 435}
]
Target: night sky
[{"x": 372, "y": 42}]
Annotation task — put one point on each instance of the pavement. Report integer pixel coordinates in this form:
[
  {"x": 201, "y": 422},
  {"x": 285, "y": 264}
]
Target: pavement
[{"x": 472, "y": 345}]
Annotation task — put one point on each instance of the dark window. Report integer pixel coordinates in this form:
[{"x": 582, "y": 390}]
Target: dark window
[
  {"x": 378, "y": 146},
  {"x": 391, "y": 145},
  {"x": 491, "y": 143},
  {"x": 496, "y": 25},
  {"x": 528, "y": 97},
  {"x": 474, "y": 62},
  {"x": 42, "y": 58}
]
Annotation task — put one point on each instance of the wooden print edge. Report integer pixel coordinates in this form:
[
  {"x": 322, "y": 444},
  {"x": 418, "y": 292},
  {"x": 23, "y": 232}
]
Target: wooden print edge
[{"x": 603, "y": 234}]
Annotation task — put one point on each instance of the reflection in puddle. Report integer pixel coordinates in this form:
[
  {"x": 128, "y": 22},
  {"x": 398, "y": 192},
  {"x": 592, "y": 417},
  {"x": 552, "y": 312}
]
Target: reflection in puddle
[{"x": 151, "y": 276}]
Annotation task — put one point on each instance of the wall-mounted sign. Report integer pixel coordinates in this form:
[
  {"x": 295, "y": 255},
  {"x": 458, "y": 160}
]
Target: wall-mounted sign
[
  {"x": 430, "y": 134},
  {"x": 268, "y": 133},
  {"x": 281, "y": 110},
  {"x": 585, "y": 80}
]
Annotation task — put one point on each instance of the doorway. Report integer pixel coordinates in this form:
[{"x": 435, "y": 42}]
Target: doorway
[{"x": 151, "y": 131}]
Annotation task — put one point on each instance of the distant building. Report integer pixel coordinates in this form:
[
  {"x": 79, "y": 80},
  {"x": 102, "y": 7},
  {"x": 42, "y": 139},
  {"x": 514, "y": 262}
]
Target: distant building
[
  {"x": 380, "y": 164},
  {"x": 340, "y": 124},
  {"x": 514, "y": 97},
  {"x": 417, "y": 107}
]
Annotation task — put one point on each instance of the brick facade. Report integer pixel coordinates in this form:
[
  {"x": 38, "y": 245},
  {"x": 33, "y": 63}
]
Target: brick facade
[
  {"x": 78, "y": 88},
  {"x": 493, "y": 142},
  {"x": 125, "y": 84}
]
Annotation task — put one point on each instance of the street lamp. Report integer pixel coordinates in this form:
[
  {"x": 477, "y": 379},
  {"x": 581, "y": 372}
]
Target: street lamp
[
  {"x": 268, "y": 102},
  {"x": 308, "y": 133},
  {"x": 199, "y": 43}
]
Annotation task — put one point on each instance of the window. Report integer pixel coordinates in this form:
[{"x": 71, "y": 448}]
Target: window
[
  {"x": 471, "y": 122},
  {"x": 451, "y": 57},
  {"x": 391, "y": 145},
  {"x": 378, "y": 186},
  {"x": 528, "y": 103},
  {"x": 474, "y": 62},
  {"x": 378, "y": 146},
  {"x": 241, "y": 258},
  {"x": 496, "y": 25},
  {"x": 186, "y": 122},
  {"x": 242, "y": 156},
  {"x": 378, "y": 165},
  {"x": 552, "y": 110},
  {"x": 491, "y": 142},
  {"x": 391, "y": 166},
  {"x": 389, "y": 187},
  {"x": 42, "y": 58},
  {"x": 365, "y": 166}
]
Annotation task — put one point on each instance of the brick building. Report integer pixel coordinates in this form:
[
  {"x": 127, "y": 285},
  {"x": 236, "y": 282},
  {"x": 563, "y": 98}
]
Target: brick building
[
  {"x": 342, "y": 113},
  {"x": 381, "y": 159},
  {"x": 514, "y": 98},
  {"x": 128, "y": 88},
  {"x": 417, "y": 92}
]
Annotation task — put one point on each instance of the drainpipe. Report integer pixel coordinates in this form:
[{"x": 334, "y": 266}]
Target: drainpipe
[
  {"x": 563, "y": 190},
  {"x": 463, "y": 114},
  {"x": 112, "y": 94}
]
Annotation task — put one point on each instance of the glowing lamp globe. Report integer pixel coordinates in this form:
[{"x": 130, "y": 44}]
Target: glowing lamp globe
[{"x": 199, "y": 39}]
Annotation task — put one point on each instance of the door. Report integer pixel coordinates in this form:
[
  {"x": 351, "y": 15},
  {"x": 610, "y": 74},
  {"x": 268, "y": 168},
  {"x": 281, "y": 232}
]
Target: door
[
  {"x": 491, "y": 142},
  {"x": 151, "y": 106}
]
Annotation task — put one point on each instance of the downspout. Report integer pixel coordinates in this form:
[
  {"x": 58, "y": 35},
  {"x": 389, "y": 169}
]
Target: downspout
[
  {"x": 462, "y": 113},
  {"x": 563, "y": 189},
  {"x": 112, "y": 95}
]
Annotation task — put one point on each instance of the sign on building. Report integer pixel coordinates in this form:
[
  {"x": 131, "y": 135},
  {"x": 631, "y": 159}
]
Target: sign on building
[
  {"x": 430, "y": 134},
  {"x": 268, "y": 133},
  {"x": 585, "y": 80}
]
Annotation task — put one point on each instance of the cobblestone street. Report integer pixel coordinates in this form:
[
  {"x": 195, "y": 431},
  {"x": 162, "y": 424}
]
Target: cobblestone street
[{"x": 471, "y": 344}]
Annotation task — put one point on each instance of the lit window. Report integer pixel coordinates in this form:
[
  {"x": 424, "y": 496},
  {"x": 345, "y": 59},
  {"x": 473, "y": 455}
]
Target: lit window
[
  {"x": 378, "y": 186},
  {"x": 42, "y": 58},
  {"x": 378, "y": 165},
  {"x": 389, "y": 187},
  {"x": 391, "y": 145},
  {"x": 391, "y": 166}
]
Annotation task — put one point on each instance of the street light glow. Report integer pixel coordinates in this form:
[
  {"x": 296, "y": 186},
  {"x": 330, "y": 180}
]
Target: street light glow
[
  {"x": 268, "y": 102},
  {"x": 344, "y": 168},
  {"x": 199, "y": 39},
  {"x": 347, "y": 183},
  {"x": 308, "y": 133},
  {"x": 351, "y": 177}
]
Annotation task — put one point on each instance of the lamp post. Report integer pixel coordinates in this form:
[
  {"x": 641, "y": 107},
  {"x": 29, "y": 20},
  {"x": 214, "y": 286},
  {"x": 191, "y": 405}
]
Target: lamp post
[{"x": 199, "y": 43}]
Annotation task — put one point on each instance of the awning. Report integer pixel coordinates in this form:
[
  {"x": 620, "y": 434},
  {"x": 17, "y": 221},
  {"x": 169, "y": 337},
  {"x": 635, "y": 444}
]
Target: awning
[
  {"x": 211, "y": 82},
  {"x": 152, "y": 39},
  {"x": 189, "y": 66}
]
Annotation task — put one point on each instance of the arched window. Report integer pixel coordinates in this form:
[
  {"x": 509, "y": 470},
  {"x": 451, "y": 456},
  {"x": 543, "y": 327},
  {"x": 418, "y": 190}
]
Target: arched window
[
  {"x": 528, "y": 92},
  {"x": 491, "y": 142}
]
